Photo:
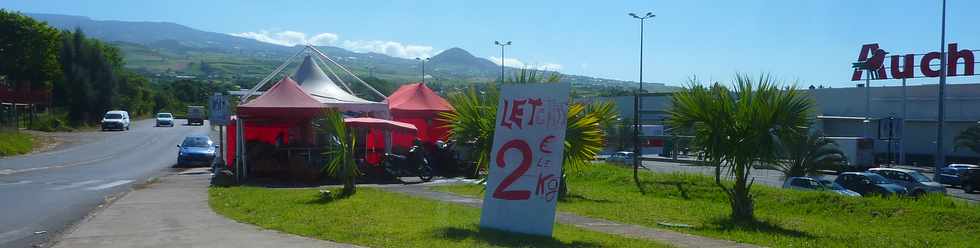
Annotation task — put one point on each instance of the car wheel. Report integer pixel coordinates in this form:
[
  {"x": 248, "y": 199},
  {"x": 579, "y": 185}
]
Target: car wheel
[{"x": 969, "y": 188}]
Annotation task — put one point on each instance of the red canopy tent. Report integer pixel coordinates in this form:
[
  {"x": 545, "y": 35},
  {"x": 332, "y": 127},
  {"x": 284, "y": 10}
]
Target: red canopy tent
[
  {"x": 375, "y": 123},
  {"x": 419, "y": 105},
  {"x": 282, "y": 111}
]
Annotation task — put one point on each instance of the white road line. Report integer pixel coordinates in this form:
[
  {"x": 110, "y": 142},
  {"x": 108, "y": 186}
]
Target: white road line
[
  {"x": 16, "y": 183},
  {"x": 76, "y": 185},
  {"x": 109, "y": 185}
]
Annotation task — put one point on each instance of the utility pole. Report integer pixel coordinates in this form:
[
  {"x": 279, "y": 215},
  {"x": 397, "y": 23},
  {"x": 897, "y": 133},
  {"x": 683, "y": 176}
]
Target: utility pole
[
  {"x": 637, "y": 104},
  {"x": 905, "y": 116},
  {"x": 940, "y": 152},
  {"x": 502, "y": 45},
  {"x": 421, "y": 60}
]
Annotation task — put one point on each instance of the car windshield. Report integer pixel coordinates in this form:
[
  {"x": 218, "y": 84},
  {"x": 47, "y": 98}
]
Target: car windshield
[
  {"x": 919, "y": 177},
  {"x": 113, "y": 116},
  {"x": 877, "y": 179},
  {"x": 831, "y": 185},
  {"x": 195, "y": 142},
  {"x": 164, "y": 115}
]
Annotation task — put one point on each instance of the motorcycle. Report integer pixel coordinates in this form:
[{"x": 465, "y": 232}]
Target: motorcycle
[{"x": 413, "y": 164}]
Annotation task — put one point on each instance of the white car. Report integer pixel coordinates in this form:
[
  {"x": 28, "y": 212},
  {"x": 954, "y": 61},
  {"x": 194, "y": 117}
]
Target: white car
[
  {"x": 165, "y": 119},
  {"x": 115, "y": 120}
]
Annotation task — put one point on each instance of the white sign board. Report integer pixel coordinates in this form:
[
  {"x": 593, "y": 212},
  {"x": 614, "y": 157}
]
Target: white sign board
[
  {"x": 218, "y": 110},
  {"x": 526, "y": 159}
]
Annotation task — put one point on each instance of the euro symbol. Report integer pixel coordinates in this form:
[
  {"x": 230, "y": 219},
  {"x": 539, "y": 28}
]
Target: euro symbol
[{"x": 544, "y": 144}]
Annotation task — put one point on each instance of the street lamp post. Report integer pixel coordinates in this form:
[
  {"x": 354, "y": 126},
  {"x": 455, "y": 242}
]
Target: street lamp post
[
  {"x": 421, "y": 60},
  {"x": 502, "y": 45},
  {"x": 637, "y": 155},
  {"x": 940, "y": 152}
]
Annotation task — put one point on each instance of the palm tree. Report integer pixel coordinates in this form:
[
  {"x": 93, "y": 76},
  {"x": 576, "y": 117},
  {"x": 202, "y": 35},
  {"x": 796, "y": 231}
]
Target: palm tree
[
  {"x": 475, "y": 115},
  {"x": 735, "y": 128},
  {"x": 969, "y": 138},
  {"x": 341, "y": 153},
  {"x": 807, "y": 152}
]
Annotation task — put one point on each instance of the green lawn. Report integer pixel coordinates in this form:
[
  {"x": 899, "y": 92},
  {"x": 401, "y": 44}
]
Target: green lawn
[
  {"x": 786, "y": 218},
  {"x": 381, "y": 219},
  {"x": 13, "y": 143}
]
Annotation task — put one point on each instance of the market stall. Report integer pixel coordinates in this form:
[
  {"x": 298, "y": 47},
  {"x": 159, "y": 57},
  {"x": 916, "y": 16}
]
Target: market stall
[{"x": 417, "y": 104}]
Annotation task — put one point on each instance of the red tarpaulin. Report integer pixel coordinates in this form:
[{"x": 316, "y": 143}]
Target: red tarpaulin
[
  {"x": 284, "y": 100},
  {"x": 417, "y": 104}
]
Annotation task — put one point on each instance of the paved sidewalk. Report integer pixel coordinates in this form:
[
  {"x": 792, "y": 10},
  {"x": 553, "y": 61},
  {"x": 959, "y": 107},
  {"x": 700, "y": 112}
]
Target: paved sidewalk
[
  {"x": 174, "y": 212},
  {"x": 669, "y": 237}
]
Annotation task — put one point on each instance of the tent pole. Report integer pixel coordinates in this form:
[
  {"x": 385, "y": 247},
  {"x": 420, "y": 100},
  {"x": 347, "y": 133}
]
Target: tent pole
[
  {"x": 255, "y": 88},
  {"x": 348, "y": 71},
  {"x": 342, "y": 83}
]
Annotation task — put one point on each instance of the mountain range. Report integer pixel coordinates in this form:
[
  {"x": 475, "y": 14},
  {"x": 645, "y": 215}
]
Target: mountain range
[{"x": 165, "y": 49}]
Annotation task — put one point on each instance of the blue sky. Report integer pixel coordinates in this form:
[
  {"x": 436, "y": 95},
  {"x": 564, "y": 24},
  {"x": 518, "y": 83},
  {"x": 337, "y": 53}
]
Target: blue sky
[{"x": 809, "y": 41}]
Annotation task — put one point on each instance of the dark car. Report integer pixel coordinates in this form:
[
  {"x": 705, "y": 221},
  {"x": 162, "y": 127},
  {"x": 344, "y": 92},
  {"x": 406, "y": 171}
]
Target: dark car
[
  {"x": 196, "y": 150},
  {"x": 970, "y": 180},
  {"x": 951, "y": 174},
  {"x": 867, "y": 184}
]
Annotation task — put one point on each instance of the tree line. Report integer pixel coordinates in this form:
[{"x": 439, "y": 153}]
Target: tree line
[{"x": 86, "y": 76}]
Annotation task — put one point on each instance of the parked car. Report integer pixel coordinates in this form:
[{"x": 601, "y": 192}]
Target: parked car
[
  {"x": 867, "y": 184},
  {"x": 951, "y": 173},
  {"x": 916, "y": 183},
  {"x": 621, "y": 157},
  {"x": 115, "y": 120},
  {"x": 196, "y": 150},
  {"x": 970, "y": 180},
  {"x": 165, "y": 119},
  {"x": 815, "y": 184},
  {"x": 195, "y": 115}
]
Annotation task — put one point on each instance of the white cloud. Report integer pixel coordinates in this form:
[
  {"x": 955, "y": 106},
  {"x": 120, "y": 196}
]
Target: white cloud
[
  {"x": 390, "y": 48},
  {"x": 515, "y": 63},
  {"x": 549, "y": 67},
  {"x": 511, "y": 62},
  {"x": 290, "y": 38}
]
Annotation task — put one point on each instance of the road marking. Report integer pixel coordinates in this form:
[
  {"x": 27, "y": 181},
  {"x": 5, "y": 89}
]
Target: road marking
[
  {"x": 16, "y": 183},
  {"x": 76, "y": 185},
  {"x": 109, "y": 185}
]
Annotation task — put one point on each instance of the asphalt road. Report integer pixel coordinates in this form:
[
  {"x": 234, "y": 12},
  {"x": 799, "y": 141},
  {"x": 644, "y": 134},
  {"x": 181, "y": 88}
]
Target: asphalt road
[
  {"x": 42, "y": 194},
  {"x": 771, "y": 177}
]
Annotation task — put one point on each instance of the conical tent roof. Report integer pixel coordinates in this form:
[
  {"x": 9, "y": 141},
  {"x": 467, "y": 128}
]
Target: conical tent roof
[
  {"x": 285, "y": 98},
  {"x": 312, "y": 79},
  {"x": 417, "y": 98}
]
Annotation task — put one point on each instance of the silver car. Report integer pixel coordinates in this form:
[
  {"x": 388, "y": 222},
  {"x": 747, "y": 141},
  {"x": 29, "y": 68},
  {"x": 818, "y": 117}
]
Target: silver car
[
  {"x": 816, "y": 184},
  {"x": 915, "y": 182}
]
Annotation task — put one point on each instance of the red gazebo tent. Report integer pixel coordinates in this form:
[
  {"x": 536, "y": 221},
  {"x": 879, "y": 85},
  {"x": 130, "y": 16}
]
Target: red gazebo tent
[
  {"x": 285, "y": 109},
  {"x": 419, "y": 105}
]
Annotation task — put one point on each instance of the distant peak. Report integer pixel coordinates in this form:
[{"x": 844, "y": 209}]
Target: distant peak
[{"x": 454, "y": 52}]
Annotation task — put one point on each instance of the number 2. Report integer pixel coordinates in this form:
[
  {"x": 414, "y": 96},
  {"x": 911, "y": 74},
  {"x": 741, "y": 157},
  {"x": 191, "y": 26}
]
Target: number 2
[{"x": 501, "y": 192}]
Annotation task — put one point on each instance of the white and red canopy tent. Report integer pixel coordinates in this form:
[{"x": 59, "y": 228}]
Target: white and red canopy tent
[{"x": 289, "y": 105}]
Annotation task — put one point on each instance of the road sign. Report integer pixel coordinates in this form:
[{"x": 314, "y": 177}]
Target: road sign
[
  {"x": 218, "y": 110},
  {"x": 526, "y": 159}
]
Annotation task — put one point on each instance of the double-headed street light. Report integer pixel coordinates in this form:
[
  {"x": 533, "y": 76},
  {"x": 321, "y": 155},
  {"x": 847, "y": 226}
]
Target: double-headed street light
[
  {"x": 637, "y": 156},
  {"x": 421, "y": 60},
  {"x": 502, "y": 45}
]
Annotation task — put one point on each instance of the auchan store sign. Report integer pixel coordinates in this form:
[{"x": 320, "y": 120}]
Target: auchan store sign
[{"x": 904, "y": 66}]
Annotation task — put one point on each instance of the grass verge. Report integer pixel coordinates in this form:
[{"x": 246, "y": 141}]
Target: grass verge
[
  {"x": 382, "y": 219},
  {"x": 785, "y": 218},
  {"x": 14, "y": 143}
]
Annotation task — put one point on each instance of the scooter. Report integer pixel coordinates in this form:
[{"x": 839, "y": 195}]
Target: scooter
[{"x": 413, "y": 164}]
